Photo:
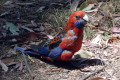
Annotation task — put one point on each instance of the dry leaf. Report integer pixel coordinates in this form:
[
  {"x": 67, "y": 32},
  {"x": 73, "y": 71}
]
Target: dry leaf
[
  {"x": 110, "y": 71},
  {"x": 116, "y": 49},
  {"x": 12, "y": 51},
  {"x": 92, "y": 1},
  {"x": 11, "y": 64},
  {"x": 114, "y": 29},
  {"x": 89, "y": 7},
  {"x": 31, "y": 59},
  {"x": 33, "y": 23},
  {"x": 115, "y": 35},
  {"x": 116, "y": 19},
  {"x": 7, "y": 60},
  {"x": 8, "y": 3},
  {"x": 42, "y": 28},
  {"x": 50, "y": 37},
  {"x": 105, "y": 53},
  {"x": 94, "y": 10},
  {"x": 24, "y": 27},
  {"x": 97, "y": 78},
  {"x": 117, "y": 44},
  {"x": 90, "y": 44},
  {"x": 116, "y": 15},
  {"x": 97, "y": 40},
  {"x": 54, "y": 70},
  {"x": 40, "y": 9},
  {"x": 4, "y": 67},
  {"x": 47, "y": 25},
  {"x": 100, "y": 4},
  {"x": 96, "y": 20}
]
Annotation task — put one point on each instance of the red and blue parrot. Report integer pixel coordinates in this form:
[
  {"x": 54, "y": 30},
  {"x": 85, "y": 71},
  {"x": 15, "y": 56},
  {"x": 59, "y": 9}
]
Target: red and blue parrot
[{"x": 65, "y": 45}]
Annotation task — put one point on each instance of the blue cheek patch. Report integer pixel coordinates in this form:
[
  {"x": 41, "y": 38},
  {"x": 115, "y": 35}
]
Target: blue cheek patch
[{"x": 79, "y": 24}]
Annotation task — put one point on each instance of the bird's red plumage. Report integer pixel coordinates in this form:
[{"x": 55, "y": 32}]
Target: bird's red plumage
[
  {"x": 77, "y": 43},
  {"x": 74, "y": 47},
  {"x": 64, "y": 46}
]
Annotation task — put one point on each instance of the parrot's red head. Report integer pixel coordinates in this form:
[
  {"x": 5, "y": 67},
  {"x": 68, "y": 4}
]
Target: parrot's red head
[{"x": 77, "y": 19}]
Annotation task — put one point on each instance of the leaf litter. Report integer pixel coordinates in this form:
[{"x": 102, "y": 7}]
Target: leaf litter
[{"x": 103, "y": 45}]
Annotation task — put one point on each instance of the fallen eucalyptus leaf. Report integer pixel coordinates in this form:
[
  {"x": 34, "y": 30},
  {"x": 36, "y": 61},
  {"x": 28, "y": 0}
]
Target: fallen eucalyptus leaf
[
  {"x": 42, "y": 28},
  {"x": 94, "y": 10},
  {"x": 116, "y": 15},
  {"x": 89, "y": 7},
  {"x": 116, "y": 19},
  {"x": 41, "y": 9},
  {"x": 7, "y": 60},
  {"x": 12, "y": 28},
  {"x": 97, "y": 78},
  {"x": 4, "y": 67},
  {"x": 83, "y": 5},
  {"x": 98, "y": 39},
  {"x": 28, "y": 29},
  {"x": 116, "y": 49},
  {"x": 50, "y": 37},
  {"x": 92, "y": 1},
  {"x": 7, "y": 3}
]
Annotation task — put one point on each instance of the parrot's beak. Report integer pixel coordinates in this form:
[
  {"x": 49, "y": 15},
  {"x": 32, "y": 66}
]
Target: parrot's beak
[{"x": 86, "y": 18}]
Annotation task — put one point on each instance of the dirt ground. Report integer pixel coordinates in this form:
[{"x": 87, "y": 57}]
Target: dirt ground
[{"x": 46, "y": 70}]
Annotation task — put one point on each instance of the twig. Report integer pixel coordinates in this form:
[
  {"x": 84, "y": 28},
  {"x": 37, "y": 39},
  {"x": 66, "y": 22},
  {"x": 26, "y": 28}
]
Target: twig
[
  {"x": 27, "y": 28},
  {"x": 4, "y": 14},
  {"x": 26, "y": 63},
  {"x": 94, "y": 73},
  {"x": 93, "y": 10},
  {"x": 26, "y": 4}
]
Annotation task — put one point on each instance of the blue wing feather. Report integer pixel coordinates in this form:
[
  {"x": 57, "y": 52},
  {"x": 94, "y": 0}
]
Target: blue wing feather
[{"x": 41, "y": 50}]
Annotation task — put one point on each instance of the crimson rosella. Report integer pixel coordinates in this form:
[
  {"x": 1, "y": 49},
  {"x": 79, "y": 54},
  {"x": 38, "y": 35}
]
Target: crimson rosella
[{"x": 65, "y": 45}]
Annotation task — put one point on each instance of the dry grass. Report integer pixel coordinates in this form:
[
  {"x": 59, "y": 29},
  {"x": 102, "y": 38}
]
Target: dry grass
[{"x": 56, "y": 17}]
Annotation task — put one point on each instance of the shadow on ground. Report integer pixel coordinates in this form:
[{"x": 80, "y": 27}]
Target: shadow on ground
[{"x": 78, "y": 63}]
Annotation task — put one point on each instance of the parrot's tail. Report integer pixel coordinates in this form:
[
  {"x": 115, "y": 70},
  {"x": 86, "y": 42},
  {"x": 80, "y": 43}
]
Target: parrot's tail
[
  {"x": 25, "y": 50},
  {"x": 41, "y": 51}
]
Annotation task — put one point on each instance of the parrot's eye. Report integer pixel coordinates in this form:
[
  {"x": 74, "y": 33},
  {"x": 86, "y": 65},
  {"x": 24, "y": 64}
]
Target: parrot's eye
[{"x": 77, "y": 17}]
